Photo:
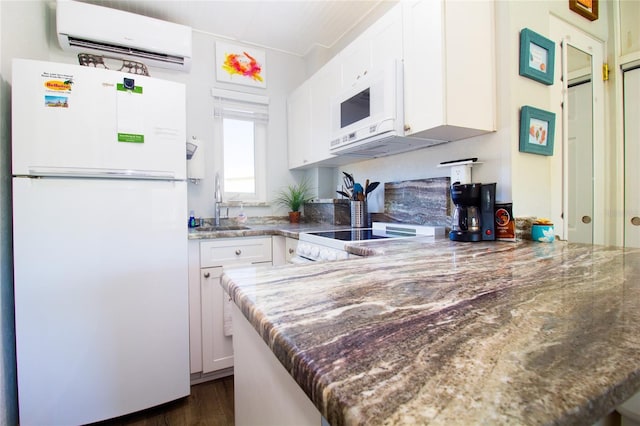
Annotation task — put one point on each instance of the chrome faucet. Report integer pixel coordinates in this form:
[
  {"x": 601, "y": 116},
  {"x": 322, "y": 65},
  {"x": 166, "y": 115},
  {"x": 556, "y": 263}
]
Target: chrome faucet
[{"x": 218, "y": 200}]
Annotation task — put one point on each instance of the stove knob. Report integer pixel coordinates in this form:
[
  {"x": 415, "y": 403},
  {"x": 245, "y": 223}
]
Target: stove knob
[
  {"x": 331, "y": 255},
  {"x": 324, "y": 253},
  {"x": 315, "y": 252}
]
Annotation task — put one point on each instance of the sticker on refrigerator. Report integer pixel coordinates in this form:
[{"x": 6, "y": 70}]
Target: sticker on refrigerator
[
  {"x": 56, "y": 101},
  {"x": 130, "y": 137},
  {"x": 57, "y": 89},
  {"x": 58, "y": 85},
  {"x": 130, "y": 112}
]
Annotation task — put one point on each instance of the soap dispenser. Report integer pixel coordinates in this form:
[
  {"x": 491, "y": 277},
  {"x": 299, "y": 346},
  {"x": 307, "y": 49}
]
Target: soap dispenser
[{"x": 242, "y": 218}]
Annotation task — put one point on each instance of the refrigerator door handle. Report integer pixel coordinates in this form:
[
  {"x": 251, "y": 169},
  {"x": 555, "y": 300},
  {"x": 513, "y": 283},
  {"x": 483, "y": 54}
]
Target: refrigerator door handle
[{"x": 103, "y": 173}]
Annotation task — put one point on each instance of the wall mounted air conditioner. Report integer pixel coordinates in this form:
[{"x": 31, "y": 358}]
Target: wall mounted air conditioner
[{"x": 88, "y": 28}]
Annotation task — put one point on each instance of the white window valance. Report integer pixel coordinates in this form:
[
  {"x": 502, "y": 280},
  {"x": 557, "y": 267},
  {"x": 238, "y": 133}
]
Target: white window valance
[{"x": 240, "y": 105}]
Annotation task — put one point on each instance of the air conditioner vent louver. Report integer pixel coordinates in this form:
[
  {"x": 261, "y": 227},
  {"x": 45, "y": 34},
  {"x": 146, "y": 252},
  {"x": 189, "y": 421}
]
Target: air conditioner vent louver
[{"x": 124, "y": 50}]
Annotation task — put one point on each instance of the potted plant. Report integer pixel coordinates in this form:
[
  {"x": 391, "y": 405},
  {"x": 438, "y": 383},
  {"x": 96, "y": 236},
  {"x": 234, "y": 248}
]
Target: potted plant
[{"x": 293, "y": 197}]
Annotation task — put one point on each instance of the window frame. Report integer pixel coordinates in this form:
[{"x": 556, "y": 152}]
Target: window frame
[{"x": 254, "y": 108}]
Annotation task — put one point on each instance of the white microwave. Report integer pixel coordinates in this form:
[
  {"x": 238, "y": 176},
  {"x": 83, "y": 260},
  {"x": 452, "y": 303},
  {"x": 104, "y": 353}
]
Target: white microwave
[{"x": 370, "y": 110}]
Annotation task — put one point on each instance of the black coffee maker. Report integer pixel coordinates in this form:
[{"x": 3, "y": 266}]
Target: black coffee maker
[{"x": 473, "y": 217}]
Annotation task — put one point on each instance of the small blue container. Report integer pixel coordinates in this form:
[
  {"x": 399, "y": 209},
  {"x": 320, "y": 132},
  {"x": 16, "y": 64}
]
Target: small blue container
[{"x": 542, "y": 233}]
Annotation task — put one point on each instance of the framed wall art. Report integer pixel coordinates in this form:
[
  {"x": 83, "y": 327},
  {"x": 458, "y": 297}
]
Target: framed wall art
[
  {"x": 537, "y": 128},
  {"x": 240, "y": 65},
  {"x": 537, "y": 56},
  {"x": 586, "y": 8}
]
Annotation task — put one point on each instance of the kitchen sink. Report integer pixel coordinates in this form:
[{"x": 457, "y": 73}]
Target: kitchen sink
[{"x": 221, "y": 228}]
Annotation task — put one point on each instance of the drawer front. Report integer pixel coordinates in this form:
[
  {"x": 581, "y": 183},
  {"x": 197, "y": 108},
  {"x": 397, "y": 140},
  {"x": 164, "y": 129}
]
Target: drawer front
[{"x": 232, "y": 251}]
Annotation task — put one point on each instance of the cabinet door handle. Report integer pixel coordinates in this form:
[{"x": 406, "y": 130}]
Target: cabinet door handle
[
  {"x": 207, "y": 275},
  {"x": 635, "y": 220},
  {"x": 291, "y": 251},
  {"x": 238, "y": 252}
]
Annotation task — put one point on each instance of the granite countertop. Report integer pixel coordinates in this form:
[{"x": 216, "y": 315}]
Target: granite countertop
[
  {"x": 255, "y": 230},
  {"x": 437, "y": 332}
]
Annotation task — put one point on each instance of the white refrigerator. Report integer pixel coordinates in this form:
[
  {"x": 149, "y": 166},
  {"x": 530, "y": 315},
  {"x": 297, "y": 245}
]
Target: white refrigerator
[{"x": 100, "y": 242}]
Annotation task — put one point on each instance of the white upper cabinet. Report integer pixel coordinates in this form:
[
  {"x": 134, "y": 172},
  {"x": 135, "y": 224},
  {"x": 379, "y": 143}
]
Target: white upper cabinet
[
  {"x": 309, "y": 118},
  {"x": 355, "y": 62},
  {"x": 386, "y": 39},
  {"x": 299, "y": 126},
  {"x": 373, "y": 49},
  {"x": 449, "y": 68},
  {"x": 323, "y": 85},
  {"x": 309, "y": 106},
  {"x": 448, "y": 51}
]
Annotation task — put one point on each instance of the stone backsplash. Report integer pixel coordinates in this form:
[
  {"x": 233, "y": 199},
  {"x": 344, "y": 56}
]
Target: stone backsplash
[
  {"x": 428, "y": 202},
  {"x": 331, "y": 211},
  {"x": 420, "y": 202}
]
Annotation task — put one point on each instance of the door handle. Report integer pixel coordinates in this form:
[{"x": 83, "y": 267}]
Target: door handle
[
  {"x": 207, "y": 275},
  {"x": 635, "y": 221},
  {"x": 586, "y": 219}
]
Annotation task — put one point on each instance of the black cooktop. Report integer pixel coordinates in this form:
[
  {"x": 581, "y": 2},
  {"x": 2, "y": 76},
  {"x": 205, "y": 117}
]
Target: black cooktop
[{"x": 359, "y": 234}]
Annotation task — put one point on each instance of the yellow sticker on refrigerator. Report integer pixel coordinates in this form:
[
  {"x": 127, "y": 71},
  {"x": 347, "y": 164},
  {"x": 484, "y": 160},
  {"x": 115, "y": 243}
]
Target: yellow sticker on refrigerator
[
  {"x": 130, "y": 112},
  {"x": 57, "y": 89}
]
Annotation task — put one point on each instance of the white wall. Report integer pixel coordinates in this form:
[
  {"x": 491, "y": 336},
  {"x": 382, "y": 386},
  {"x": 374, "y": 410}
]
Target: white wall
[{"x": 285, "y": 72}]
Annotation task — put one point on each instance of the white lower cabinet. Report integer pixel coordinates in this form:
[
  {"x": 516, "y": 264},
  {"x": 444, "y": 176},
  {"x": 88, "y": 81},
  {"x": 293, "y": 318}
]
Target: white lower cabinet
[
  {"x": 217, "y": 348},
  {"x": 211, "y": 348},
  {"x": 264, "y": 392},
  {"x": 284, "y": 248},
  {"x": 291, "y": 244}
]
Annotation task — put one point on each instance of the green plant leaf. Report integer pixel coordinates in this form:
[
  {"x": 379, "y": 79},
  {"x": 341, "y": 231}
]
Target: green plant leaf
[{"x": 294, "y": 196}]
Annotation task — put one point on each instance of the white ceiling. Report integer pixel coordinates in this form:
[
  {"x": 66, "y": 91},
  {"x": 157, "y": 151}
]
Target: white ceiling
[{"x": 292, "y": 26}]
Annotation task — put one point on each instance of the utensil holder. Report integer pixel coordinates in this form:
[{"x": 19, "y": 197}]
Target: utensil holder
[{"x": 359, "y": 216}]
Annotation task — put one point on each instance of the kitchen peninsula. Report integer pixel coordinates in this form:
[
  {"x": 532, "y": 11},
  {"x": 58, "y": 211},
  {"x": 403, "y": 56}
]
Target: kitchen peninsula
[{"x": 436, "y": 332}]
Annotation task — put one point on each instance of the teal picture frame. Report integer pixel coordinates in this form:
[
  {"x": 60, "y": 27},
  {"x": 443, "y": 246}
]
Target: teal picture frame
[
  {"x": 537, "y": 57},
  {"x": 537, "y": 131}
]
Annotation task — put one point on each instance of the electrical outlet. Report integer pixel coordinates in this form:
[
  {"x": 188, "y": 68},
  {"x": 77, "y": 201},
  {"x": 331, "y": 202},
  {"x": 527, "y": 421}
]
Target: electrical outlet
[{"x": 461, "y": 173}]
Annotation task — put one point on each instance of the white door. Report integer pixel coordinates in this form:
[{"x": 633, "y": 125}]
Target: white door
[
  {"x": 579, "y": 154},
  {"x": 217, "y": 347},
  {"x": 101, "y": 297},
  {"x": 74, "y": 120},
  {"x": 632, "y": 158}
]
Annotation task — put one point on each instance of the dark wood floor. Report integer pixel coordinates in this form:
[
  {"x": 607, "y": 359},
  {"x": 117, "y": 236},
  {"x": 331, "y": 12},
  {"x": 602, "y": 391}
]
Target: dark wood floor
[{"x": 210, "y": 404}]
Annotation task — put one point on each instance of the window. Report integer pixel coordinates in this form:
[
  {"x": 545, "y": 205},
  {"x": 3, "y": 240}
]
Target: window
[
  {"x": 240, "y": 144},
  {"x": 239, "y": 156}
]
